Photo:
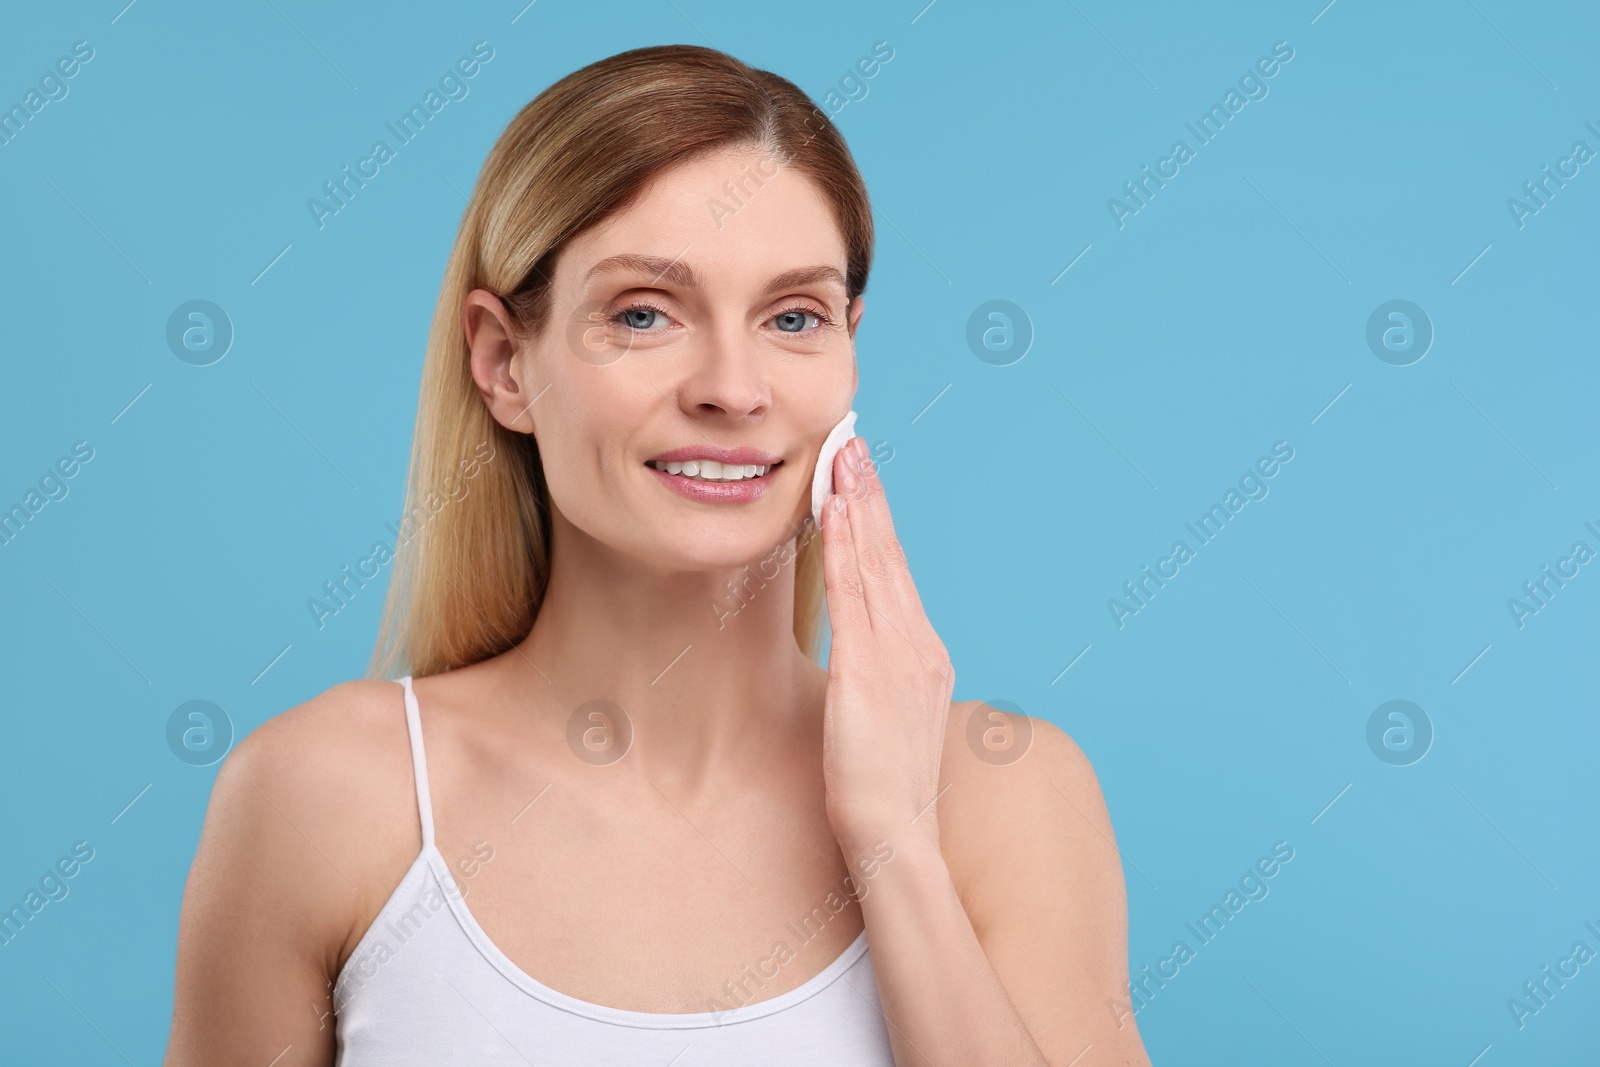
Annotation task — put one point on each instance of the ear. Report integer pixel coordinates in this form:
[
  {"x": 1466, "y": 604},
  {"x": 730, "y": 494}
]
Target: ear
[
  {"x": 853, "y": 314},
  {"x": 496, "y": 360},
  {"x": 857, "y": 307}
]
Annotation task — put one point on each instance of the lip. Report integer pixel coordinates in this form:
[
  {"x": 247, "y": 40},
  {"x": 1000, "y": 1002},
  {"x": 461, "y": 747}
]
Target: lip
[
  {"x": 736, "y": 456},
  {"x": 745, "y": 491}
]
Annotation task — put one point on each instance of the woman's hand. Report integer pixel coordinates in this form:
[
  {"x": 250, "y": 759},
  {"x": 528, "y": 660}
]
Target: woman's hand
[{"x": 889, "y": 677}]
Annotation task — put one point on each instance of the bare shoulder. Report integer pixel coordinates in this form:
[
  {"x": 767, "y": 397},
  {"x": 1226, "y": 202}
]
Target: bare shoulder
[
  {"x": 998, "y": 761},
  {"x": 311, "y": 819},
  {"x": 323, "y": 793},
  {"x": 356, "y": 718},
  {"x": 1028, "y": 841},
  {"x": 1018, "y": 794}
]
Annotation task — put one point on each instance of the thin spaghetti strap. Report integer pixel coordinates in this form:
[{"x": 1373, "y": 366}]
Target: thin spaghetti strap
[{"x": 419, "y": 762}]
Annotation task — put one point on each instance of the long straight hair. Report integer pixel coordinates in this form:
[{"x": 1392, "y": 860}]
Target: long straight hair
[{"x": 470, "y": 577}]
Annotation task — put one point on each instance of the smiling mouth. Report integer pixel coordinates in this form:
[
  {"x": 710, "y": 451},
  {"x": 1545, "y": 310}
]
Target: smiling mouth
[{"x": 709, "y": 470}]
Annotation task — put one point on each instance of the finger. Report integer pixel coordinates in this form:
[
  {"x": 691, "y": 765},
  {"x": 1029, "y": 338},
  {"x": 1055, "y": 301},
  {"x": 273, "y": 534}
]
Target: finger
[
  {"x": 882, "y": 602},
  {"x": 884, "y": 568},
  {"x": 847, "y": 610}
]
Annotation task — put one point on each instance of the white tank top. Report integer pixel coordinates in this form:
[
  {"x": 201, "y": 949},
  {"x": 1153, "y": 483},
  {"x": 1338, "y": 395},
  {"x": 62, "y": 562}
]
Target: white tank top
[{"x": 426, "y": 986}]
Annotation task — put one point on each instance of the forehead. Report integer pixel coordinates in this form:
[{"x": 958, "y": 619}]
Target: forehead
[{"x": 736, "y": 217}]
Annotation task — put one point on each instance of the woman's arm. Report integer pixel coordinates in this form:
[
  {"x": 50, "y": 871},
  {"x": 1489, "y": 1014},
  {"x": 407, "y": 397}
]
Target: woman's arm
[
  {"x": 1008, "y": 944},
  {"x": 998, "y": 923},
  {"x": 271, "y": 896}
]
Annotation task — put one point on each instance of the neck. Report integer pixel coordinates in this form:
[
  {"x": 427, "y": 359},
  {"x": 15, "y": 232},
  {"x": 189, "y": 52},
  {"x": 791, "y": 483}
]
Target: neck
[{"x": 703, "y": 663}]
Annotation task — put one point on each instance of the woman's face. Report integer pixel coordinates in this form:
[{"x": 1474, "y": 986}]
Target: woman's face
[{"x": 710, "y": 314}]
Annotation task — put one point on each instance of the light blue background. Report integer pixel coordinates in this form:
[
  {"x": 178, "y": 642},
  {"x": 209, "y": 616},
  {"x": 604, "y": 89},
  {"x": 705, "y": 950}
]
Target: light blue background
[{"x": 1228, "y": 314}]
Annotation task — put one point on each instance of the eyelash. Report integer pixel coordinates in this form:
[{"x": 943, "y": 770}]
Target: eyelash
[{"x": 810, "y": 309}]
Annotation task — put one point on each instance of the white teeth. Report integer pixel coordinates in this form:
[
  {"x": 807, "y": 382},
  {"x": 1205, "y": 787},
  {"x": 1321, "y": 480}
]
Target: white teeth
[{"x": 709, "y": 470}]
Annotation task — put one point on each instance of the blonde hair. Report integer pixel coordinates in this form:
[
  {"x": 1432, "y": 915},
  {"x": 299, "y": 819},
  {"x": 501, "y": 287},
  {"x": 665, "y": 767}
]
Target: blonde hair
[{"x": 468, "y": 582}]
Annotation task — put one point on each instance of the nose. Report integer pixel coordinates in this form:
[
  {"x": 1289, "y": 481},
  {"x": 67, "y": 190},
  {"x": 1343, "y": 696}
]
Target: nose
[{"x": 728, "y": 377}]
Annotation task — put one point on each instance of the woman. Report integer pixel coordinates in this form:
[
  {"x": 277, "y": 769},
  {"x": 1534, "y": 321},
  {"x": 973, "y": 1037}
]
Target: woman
[{"x": 617, "y": 813}]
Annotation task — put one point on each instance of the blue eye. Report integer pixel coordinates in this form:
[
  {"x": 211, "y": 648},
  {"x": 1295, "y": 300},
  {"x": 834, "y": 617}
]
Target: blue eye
[
  {"x": 637, "y": 316},
  {"x": 792, "y": 319},
  {"x": 795, "y": 317}
]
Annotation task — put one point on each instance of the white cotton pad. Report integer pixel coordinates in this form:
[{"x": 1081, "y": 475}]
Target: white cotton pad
[{"x": 822, "y": 478}]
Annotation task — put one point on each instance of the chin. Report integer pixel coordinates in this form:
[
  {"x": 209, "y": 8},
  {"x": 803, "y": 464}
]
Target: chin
[{"x": 719, "y": 543}]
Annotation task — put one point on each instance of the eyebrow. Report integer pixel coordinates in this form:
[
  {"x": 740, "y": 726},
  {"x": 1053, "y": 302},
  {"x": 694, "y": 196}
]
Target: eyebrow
[{"x": 681, "y": 274}]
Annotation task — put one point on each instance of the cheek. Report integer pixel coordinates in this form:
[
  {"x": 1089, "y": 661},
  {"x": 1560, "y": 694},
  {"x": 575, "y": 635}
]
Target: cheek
[
  {"x": 586, "y": 447},
  {"x": 829, "y": 402},
  {"x": 580, "y": 485}
]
